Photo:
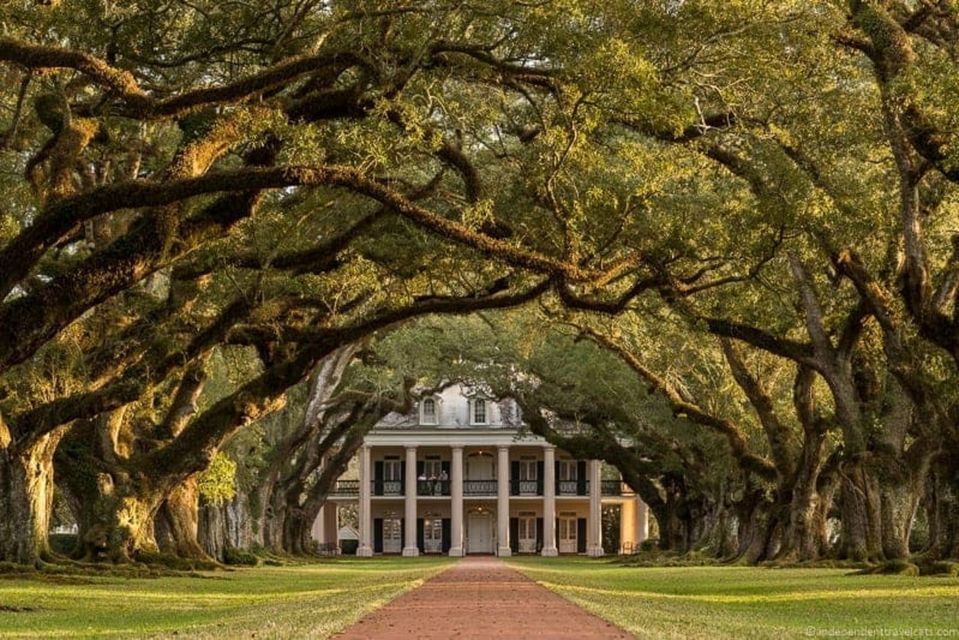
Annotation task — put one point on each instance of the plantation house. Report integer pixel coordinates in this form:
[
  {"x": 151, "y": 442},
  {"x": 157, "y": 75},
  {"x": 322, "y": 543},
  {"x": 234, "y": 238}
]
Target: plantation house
[{"x": 458, "y": 475}]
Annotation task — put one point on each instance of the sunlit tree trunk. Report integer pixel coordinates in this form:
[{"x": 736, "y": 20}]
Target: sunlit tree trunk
[{"x": 26, "y": 499}]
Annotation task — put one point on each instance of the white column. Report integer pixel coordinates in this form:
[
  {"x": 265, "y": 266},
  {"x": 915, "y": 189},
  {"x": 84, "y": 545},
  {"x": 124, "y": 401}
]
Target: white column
[
  {"x": 365, "y": 548},
  {"x": 502, "y": 502},
  {"x": 549, "y": 501},
  {"x": 594, "y": 523},
  {"x": 642, "y": 521},
  {"x": 317, "y": 531},
  {"x": 456, "y": 503},
  {"x": 410, "y": 548}
]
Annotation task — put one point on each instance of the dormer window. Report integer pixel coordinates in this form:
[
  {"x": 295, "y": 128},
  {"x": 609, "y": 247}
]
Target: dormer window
[
  {"x": 428, "y": 407},
  {"x": 479, "y": 411}
]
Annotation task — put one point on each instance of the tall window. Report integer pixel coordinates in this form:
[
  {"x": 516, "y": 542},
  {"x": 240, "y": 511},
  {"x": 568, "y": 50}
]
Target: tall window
[
  {"x": 429, "y": 411},
  {"x": 479, "y": 411}
]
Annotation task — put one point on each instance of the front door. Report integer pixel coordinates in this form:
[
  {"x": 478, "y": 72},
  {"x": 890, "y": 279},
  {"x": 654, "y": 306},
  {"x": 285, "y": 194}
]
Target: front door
[
  {"x": 392, "y": 535},
  {"x": 527, "y": 533},
  {"x": 567, "y": 533},
  {"x": 479, "y": 533},
  {"x": 432, "y": 535}
]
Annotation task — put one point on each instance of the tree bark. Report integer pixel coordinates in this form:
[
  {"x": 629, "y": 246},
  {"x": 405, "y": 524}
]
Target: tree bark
[
  {"x": 211, "y": 530},
  {"x": 942, "y": 510},
  {"x": 177, "y": 522},
  {"x": 119, "y": 519},
  {"x": 26, "y": 498},
  {"x": 759, "y": 527},
  {"x": 880, "y": 495}
]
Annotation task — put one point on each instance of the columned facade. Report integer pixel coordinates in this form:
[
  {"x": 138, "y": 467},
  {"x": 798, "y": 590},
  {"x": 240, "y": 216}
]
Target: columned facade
[{"x": 437, "y": 483}]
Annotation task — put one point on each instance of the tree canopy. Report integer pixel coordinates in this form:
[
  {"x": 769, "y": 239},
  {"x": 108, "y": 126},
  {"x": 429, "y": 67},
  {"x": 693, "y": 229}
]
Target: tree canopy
[{"x": 748, "y": 207}]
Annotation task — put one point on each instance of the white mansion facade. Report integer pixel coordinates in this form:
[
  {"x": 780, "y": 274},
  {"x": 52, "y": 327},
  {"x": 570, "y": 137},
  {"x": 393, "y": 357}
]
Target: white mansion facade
[{"x": 459, "y": 476}]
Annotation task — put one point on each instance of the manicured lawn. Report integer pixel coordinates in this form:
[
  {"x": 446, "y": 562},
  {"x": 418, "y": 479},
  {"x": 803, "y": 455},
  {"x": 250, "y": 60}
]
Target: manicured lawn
[
  {"x": 746, "y": 602},
  {"x": 305, "y": 601}
]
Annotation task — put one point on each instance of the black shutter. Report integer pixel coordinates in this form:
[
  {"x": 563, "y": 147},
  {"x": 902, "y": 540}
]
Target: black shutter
[
  {"x": 420, "y": 465},
  {"x": 445, "y": 468},
  {"x": 378, "y": 535},
  {"x": 420, "y": 537},
  {"x": 403, "y": 478},
  {"x": 514, "y": 477},
  {"x": 581, "y": 477},
  {"x": 378, "y": 478},
  {"x": 402, "y": 533},
  {"x": 514, "y": 535},
  {"x": 540, "y": 474},
  {"x": 447, "y": 535},
  {"x": 581, "y": 535},
  {"x": 556, "y": 481},
  {"x": 539, "y": 533},
  {"x": 556, "y": 532}
]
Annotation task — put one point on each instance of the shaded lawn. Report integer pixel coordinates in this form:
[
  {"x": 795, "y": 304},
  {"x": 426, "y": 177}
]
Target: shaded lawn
[
  {"x": 303, "y": 601},
  {"x": 751, "y": 602}
]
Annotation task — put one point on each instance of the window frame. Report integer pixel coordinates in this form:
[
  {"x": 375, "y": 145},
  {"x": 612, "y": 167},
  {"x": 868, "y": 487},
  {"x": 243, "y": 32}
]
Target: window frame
[
  {"x": 474, "y": 404},
  {"x": 424, "y": 418}
]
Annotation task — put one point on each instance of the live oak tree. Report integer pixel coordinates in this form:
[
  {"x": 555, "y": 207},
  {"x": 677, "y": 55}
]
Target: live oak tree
[
  {"x": 286, "y": 179},
  {"x": 182, "y": 165}
]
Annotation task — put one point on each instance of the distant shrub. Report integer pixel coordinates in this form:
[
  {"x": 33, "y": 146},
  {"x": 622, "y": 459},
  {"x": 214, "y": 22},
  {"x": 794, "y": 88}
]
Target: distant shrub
[
  {"x": 63, "y": 543},
  {"x": 239, "y": 557},
  {"x": 650, "y": 544},
  {"x": 939, "y": 568},
  {"x": 893, "y": 567},
  {"x": 349, "y": 547}
]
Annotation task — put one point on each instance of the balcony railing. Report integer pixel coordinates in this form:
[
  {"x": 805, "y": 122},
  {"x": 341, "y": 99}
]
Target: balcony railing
[
  {"x": 432, "y": 487},
  {"x": 346, "y": 488},
  {"x": 479, "y": 487},
  {"x": 387, "y": 487},
  {"x": 526, "y": 487},
  {"x": 572, "y": 487}
]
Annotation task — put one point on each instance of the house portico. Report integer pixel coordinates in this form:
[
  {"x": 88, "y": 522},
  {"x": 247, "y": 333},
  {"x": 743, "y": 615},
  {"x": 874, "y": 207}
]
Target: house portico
[{"x": 456, "y": 487}]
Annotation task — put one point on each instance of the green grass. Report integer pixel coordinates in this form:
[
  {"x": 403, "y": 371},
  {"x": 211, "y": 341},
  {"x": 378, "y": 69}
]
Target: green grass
[
  {"x": 301, "y": 601},
  {"x": 750, "y": 602}
]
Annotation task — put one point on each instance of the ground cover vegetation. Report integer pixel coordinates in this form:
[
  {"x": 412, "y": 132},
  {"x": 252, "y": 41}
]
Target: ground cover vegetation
[
  {"x": 312, "y": 600},
  {"x": 727, "y": 232},
  {"x": 743, "y": 602}
]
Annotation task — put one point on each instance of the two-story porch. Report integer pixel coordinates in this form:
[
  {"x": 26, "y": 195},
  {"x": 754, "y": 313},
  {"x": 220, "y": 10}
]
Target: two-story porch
[{"x": 476, "y": 491}]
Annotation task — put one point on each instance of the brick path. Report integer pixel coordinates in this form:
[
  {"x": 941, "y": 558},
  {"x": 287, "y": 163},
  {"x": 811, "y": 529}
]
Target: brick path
[{"x": 481, "y": 598}]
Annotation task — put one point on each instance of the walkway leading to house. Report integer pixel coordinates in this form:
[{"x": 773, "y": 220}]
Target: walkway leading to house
[{"x": 481, "y": 598}]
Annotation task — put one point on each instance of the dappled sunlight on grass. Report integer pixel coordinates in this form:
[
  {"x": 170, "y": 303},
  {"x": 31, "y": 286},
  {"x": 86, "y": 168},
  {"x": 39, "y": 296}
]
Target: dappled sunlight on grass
[
  {"x": 302, "y": 601},
  {"x": 858, "y": 594},
  {"x": 750, "y": 602}
]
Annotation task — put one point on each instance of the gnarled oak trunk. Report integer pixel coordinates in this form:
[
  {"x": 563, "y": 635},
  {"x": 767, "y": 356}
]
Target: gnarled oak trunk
[
  {"x": 26, "y": 498},
  {"x": 880, "y": 495},
  {"x": 177, "y": 522},
  {"x": 942, "y": 509}
]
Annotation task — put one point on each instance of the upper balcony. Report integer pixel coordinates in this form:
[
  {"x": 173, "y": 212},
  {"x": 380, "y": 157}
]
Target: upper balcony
[{"x": 480, "y": 488}]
